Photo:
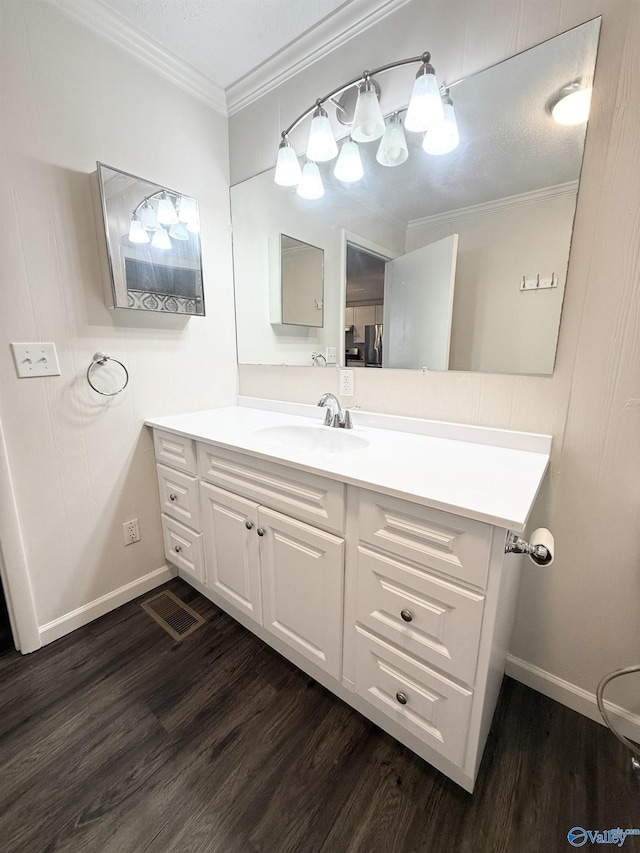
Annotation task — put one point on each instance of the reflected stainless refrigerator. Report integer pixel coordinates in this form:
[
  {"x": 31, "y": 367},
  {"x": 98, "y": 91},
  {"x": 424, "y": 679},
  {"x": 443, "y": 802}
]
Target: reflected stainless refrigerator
[{"x": 373, "y": 345}]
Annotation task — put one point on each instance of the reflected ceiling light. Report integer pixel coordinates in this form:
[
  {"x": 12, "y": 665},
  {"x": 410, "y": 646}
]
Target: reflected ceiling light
[
  {"x": 288, "y": 171},
  {"x": 572, "y": 104},
  {"x": 425, "y": 106},
  {"x": 392, "y": 150},
  {"x": 358, "y": 107},
  {"x": 348, "y": 166},
  {"x": 443, "y": 136},
  {"x": 161, "y": 239},
  {"x": 166, "y": 211},
  {"x": 368, "y": 121},
  {"x": 310, "y": 185},
  {"x": 187, "y": 209},
  {"x": 321, "y": 145},
  {"x": 137, "y": 233}
]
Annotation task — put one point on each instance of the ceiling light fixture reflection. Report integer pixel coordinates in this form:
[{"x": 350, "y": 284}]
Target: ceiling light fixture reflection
[
  {"x": 137, "y": 233},
  {"x": 443, "y": 136},
  {"x": 161, "y": 239},
  {"x": 572, "y": 104},
  {"x": 392, "y": 150}
]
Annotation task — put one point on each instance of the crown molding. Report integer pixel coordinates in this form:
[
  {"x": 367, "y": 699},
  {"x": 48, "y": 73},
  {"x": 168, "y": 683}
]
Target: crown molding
[
  {"x": 114, "y": 28},
  {"x": 507, "y": 203},
  {"x": 335, "y": 30}
]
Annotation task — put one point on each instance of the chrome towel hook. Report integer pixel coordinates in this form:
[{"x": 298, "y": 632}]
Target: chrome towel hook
[{"x": 101, "y": 358}]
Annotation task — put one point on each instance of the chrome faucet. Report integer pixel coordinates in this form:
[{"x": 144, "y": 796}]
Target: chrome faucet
[{"x": 340, "y": 417}]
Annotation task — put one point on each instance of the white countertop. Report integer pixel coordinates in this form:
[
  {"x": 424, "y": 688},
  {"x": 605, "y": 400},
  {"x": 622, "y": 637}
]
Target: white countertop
[{"x": 472, "y": 478}]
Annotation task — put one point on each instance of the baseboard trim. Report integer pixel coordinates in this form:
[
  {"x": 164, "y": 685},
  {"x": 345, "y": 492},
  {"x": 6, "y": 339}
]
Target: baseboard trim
[
  {"x": 88, "y": 612},
  {"x": 572, "y": 696}
]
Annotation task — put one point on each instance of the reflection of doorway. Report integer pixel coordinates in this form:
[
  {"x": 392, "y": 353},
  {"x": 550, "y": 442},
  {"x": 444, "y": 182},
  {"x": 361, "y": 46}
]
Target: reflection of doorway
[
  {"x": 6, "y": 636},
  {"x": 364, "y": 308}
]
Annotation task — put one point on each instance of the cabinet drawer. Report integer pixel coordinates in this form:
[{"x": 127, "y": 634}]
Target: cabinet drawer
[
  {"x": 175, "y": 450},
  {"x": 435, "y": 709},
  {"x": 439, "y": 540},
  {"x": 425, "y": 615},
  {"x": 179, "y": 496},
  {"x": 298, "y": 494},
  {"x": 183, "y": 547}
]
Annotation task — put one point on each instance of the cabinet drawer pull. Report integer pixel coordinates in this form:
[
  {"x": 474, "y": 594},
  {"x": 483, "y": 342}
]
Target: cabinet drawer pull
[
  {"x": 173, "y": 497},
  {"x": 407, "y": 615},
  {"x": 178, "y": 548},
  {"x": 260, "y": 531},
  {"x": 402, "y": 698},
  {"x": 248, "y": 525}
]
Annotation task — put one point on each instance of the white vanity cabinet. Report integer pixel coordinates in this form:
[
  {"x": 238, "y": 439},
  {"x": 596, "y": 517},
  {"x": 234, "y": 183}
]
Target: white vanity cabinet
[{"x": 402, "y": 609}]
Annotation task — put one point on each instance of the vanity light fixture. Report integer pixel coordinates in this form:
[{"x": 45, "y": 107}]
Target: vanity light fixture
[
  {"x": 137, "y": 232},
  {"x": 363, "y": 114},
  {"x": 161, "y": 239},
  {"x": 310, "y": 185},
  {"x": 393, "y": 145},
  {"x": 321, "y": 145},
  {"x": 178, "y": 231},
  {"x": 166, "y": 214},
  {"x": 572, "y": 103},
  {"x": 443, "y": 137},
  {"x": 348, "y": 166},
  {"x": 148, "y": 216}
]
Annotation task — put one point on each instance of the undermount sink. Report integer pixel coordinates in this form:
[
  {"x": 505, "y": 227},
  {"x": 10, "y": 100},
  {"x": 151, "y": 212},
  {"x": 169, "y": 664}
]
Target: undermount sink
[{"x": 313, "y": 437}]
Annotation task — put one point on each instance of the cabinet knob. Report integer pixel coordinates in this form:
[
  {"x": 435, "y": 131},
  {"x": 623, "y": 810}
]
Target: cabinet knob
[
  {"x": 173, "y": 497},
  {"x": 248, "y": 524},
  {"x": 402, "y": 698},
  {"x": 407, "y": 615},
  {"x": 260, "y": 531},
  {"x": 178, "y": 548}
]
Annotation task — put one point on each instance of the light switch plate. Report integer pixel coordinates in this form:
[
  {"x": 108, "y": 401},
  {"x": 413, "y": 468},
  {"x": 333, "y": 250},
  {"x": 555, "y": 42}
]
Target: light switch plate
[
  {"x": 331, "y": 354},
  {"x": 35, "y": 359}
]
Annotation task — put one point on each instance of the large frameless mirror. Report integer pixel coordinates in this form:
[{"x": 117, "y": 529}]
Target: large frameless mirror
[
  {"x": 469, "y": 249},
  {"x": 153, "y": 244}
]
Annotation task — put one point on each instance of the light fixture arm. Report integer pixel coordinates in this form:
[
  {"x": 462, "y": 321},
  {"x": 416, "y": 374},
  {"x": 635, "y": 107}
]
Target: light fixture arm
[
  {"x": 425, "y": 57},
  {"x": 147, "y": 198}
]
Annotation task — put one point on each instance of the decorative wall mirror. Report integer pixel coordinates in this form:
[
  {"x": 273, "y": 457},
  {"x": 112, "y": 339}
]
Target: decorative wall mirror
[
  {"x": 297, "y": 283},
  {"x": 153, "y": 245},
  {"x": 498, "y": 208}
]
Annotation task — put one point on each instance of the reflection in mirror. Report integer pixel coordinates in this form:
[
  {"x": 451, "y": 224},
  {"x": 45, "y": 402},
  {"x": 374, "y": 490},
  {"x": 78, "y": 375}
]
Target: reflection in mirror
[
  {"x": 496, "y": 213},
  {"x": 300, "y": 283},
  {"x": 153, "y": 245}
]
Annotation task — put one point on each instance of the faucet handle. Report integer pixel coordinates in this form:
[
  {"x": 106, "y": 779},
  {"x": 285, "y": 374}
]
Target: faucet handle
[
  {"x": 328, "y": 418},
  {"x": 348, "y": 424}
]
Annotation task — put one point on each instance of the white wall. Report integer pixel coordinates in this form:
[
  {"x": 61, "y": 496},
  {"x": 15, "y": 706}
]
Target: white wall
[
  {"x": 578, "y": 619},
  {"x": 82, "y": 464},
  {"x": 497, "y": 327}
]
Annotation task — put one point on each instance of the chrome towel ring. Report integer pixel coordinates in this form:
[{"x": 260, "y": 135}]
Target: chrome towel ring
[{"x": 102, "y": 358}]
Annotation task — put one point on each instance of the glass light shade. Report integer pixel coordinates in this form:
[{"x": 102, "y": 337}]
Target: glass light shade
[
  {"x": 392, "y": 150},
  {"x": 148, "y": 217},
  {"x": 288, "y": 171},
  {"x": 137, "y": 234},
  {"x": 161, "y": 239},
  {"x": 348, "y": 166},
  {"x": 166, "y": 212},
  {"x": 179, "y": 231},
  {"x": 193, "y": 227},
  {"x": 425, "y": 106},
  {"x": 310, "y": 185},
  {"x": 321, "y": 145},
  {"x": 187, "y": 209},
  {"x": 443, "y": 137},
  {"x": 368, "y": 121},
  {"x": 573, "y": 108}
]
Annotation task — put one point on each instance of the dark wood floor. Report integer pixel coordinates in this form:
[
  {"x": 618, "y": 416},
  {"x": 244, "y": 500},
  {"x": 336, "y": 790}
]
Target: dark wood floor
[{"x": 116, "y": 739}]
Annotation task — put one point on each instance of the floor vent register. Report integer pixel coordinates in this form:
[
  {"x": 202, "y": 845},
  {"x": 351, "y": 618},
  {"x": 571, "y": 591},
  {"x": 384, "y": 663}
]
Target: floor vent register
[{"x": 176, "y": 617}]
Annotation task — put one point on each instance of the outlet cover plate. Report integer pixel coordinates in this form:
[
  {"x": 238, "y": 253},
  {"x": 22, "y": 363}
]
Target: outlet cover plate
[
  {"x": 346, "y": 383},
  {"x": 36, "y": 359}
]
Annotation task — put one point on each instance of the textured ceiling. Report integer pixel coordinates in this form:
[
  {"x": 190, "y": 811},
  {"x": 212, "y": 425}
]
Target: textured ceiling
[{"x": 223, "y": 39}]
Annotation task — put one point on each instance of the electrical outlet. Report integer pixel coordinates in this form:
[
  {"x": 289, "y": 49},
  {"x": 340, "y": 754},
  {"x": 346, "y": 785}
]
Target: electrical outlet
[
  {"x": 131, "y": 531},
  {"x": 346, "y": 383},
  {"x": 331, "y": 355}
]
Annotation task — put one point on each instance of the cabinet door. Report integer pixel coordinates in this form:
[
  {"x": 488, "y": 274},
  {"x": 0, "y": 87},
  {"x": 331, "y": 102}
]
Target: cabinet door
[
  {"x": 379, "y": 313},
  {"x": 363, "y": 315},
  {"x": 302, "y": 580},
  {"x": 231, "y": 549}
]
